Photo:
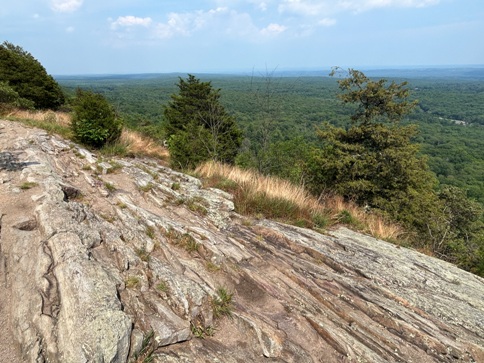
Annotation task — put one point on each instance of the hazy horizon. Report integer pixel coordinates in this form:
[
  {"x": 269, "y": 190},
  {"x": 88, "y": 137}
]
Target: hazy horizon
[{"x": 224, "y": 36}]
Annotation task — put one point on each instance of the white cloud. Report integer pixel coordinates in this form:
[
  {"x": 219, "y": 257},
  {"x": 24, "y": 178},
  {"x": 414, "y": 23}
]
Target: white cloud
[
  {"x": 70, "y": 29},
  {"x": 220, "y": 20},
  {"x": 372, "y": 4},
  {"x": 327, "y": 22},
  {"x": 261, "y": 5},
  {"x": 303, "y": 7},
  {"x": 326, "y": 7},
  {"x": 130, "y": 21},
  {"x": 273, "y": 29},
  {"x": 65, "y": 6}
]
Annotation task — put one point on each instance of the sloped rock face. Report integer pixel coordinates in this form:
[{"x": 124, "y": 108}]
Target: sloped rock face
[{"x": 97, "y": 253}]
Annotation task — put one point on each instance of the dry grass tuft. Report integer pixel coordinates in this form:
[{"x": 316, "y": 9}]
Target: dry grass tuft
[
  {"x": 249, "y": 185},
  {"x": 257, "y": 183},
  {"x": 138, "y": 144},
  {"x": 57, "y": 117}
]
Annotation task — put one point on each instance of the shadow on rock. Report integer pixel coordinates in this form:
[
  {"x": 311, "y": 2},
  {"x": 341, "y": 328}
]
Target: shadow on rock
[{"x": 9, "y": 162}]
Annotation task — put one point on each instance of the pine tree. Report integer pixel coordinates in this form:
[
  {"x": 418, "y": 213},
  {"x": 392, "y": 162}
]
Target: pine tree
[
  {"x": 373, "y": 161},
  {"x": 198, "y": 127}
]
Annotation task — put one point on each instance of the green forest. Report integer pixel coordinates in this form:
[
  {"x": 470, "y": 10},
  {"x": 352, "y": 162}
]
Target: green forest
[
  {"x": 406, "y": 149},
  {"x": 275, "y": 110}
]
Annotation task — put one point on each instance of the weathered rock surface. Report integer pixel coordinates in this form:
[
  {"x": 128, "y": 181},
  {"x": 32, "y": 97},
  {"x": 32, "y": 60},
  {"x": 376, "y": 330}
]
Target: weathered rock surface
[{"x": 96, "y": 253}]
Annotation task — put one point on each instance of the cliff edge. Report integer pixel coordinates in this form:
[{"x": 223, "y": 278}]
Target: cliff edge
[{"x": 125, "y": 260}]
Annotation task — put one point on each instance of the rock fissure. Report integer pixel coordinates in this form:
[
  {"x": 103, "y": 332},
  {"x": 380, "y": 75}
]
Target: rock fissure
[{"x": 50, "y": 293}]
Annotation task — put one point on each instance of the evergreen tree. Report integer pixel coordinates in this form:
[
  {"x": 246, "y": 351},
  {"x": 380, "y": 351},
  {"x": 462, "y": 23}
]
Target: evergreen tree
[
  {"x": 26, "y": 76},
  {"x": 198, "y": 127},
  {"x": 373, "y": 161}
]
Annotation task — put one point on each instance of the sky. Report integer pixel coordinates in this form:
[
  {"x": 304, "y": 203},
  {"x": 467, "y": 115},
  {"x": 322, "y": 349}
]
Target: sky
[{"x": 72, "y": 37}]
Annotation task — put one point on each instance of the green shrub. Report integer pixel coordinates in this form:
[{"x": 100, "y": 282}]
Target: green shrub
[{"x": 94, "y": 122}]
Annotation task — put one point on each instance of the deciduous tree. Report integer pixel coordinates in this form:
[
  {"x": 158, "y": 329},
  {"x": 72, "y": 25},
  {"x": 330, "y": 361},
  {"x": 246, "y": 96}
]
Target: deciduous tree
[{"x": 26, "y": 76}]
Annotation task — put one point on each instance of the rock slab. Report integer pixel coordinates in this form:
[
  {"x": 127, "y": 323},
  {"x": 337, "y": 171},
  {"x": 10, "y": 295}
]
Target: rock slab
[{"x": 118, "y": 260}]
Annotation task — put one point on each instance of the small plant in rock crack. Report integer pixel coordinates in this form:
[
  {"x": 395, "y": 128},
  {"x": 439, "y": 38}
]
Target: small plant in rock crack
[
  {"x": 78, "y": 154},
  {"x": 122, "y": 205},
  {"x": 28, "y": 185},
  {"x": 196, "y": 205},
  {"x": 143, "y": 254},
  {"x": 132, "y": 282},
  {"x": 201, "y": 332},
  {"x": 148, "y": 171},
  {"x": 175, "y": 186},
  {"x": 115, "y": 166},
  {"x": 163, "y": 287},
  {"x": 109, "y": 187},
  {"x": 145, "y": 354},
  {"x": 191, "y": 245},
  {"x": 222, "y": 303},
  {"x": 108, "y": 217},
  {"x": 212, "y": 267},
  {"x": 182, "y": 239},
  {"x": 146, "y": 188},
  {"x": 150, "y": 232}
]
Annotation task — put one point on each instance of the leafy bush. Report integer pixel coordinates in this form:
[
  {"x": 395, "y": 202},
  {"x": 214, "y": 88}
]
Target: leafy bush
[{"x": 94, "y": 122}]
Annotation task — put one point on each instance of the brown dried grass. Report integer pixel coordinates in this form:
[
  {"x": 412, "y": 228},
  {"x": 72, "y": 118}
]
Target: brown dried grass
[
  {"x": 58, "y": 117},
  {"x": 139, "y": 144},
  {"x": 330, "y": 205}
]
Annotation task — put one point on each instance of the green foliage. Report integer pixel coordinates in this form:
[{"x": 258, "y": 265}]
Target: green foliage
[
  {"x": 299, "y": 103},
  {"x": 148, "y": 347},
  {"x": 28, "y": 78},
  {"x": 462, "y": 235},
  {"x": 374, "y": 100},
  {"x": 375, "y": 165},
  {"x": 9, "y": 99},
  {"x": 198, "y": 126},
  {"x": 222, "y": 303},
  {"x": 373, "y": 162},
  {"x": 94, "y": 121}
]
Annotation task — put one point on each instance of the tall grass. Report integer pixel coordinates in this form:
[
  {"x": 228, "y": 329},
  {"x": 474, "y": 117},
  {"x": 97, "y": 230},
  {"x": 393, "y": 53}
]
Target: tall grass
[{"x": 256, "y": 194}]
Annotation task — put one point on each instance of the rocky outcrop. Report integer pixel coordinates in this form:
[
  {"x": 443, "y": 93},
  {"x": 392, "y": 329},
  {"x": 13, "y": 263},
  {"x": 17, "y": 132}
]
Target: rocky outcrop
[{"x": 120, "y": 259}]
